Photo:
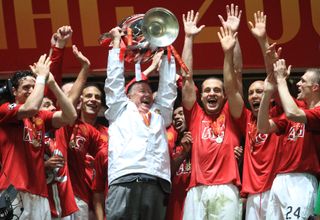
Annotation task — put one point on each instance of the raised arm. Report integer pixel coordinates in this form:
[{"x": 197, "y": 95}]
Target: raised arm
[
  {"x": 58, "y": 42},
  {"x": 67, "y": 115},
  {"x": 292, "y": 111},
  {"x": 233, "y": 22},
  {"x": 114, "y": 83},
  {"x": 264, "y": 124},
  {"x": 188, "y": 87},
  {"x": 78, "y": 85},
  {"x": 33, "y": 102},
  {"x": 228, "y": 42},
  {"x": 258, "y": 30},
  {"x": 167, "y": 89}
]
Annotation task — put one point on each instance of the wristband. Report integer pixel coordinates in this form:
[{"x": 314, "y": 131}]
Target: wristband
[{"x": 41, "y": 80}]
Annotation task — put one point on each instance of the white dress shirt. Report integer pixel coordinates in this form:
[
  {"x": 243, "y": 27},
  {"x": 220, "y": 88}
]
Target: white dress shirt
[{"x": 135, "y": 147}]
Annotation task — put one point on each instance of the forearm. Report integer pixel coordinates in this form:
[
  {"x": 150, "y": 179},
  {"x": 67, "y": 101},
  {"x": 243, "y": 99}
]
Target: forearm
[
  {"x": 78, "y": 85},
  {"x": 167, "y": 89},
  {"x": 231, "y": 86},
  {"x": 69, "y": 113},
  {"x": 292, "y": 111},
  {"x": 237, "y": 57},
  {"x": 188, "y": 86},
  {"x": 263, "y": 123},
  {"x": 114, "y": 84},
  {"x": 33, "y": 102},
  {"x": 187, "y": 55},
  {"x": 98, "y": 204}
]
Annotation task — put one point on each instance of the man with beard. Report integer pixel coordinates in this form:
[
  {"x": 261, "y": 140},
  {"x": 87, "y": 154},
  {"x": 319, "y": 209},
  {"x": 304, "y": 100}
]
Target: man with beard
[
  {"x": 213, "y": 190},
  {"x": 294, "y": 189},
  {"x": 138, "y": 156}
]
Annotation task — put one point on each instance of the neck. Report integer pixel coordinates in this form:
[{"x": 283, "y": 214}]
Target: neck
[
  {"x": 313, "y": 102},
  {"x": 90, "y": 119}
]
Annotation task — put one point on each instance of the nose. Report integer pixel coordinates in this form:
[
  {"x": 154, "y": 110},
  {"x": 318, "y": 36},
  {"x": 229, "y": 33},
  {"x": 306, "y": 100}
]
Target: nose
[{"x": 298, "y": 83}]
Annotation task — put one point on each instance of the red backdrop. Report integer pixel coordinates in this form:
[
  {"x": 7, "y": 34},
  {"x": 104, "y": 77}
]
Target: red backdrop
[{"x": 26, "y": 27}]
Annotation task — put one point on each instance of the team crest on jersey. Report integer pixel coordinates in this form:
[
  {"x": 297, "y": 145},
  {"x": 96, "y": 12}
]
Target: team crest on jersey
[
  {"x": 170, "y": 136},
  {"x": 296, "y": 131},
  {"x": 12, "y": 106},
  {"x": 34, "y": 139},
  {"x": 260, "y": 138},
  {"x": 214, "y": 130},
  {"x": 78, "y": 143},
  {"x": 38, "y": 122},
  {"x": 104, "y": 138}
]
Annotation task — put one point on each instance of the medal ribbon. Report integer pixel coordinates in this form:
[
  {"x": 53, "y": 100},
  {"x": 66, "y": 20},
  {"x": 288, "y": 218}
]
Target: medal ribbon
[{"x": 147, "y": 118}]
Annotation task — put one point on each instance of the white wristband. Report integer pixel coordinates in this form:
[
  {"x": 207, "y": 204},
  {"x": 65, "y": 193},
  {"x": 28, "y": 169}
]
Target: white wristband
[{"x": 41, "y": 80}]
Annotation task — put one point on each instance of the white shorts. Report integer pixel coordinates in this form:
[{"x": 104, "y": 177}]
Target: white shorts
[
  {"x": 33, "y": 206},
  {"x": 292, "y": 196},
  {"x": 83, "y": 212},
  {"x": 213, "y": 202},
  {"x": 256, "y": 206}
]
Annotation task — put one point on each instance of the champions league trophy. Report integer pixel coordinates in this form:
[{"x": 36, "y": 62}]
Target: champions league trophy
[{"x": 146, "y": 34}]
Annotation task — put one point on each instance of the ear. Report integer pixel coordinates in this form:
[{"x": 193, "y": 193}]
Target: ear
[
  {"x": 14, "y": 91},
  {"x": 315, "y": 87}
]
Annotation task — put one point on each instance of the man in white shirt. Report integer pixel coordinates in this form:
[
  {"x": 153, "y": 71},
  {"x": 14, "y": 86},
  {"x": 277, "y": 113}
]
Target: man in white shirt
[{"x": 138, "y": 156}]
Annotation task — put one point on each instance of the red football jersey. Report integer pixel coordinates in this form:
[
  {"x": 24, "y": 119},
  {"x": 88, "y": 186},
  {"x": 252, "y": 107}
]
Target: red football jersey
[
  {"x": 212, "y": 155},
  {"x": 61, "y": 196},
  {"x": 180, "y": 179},
  {"x": 260, "y": 156},
  {"x": 82, "y": 139},
  {"x": 300, "y": 148},
  {"x": 22, "y": 150}
]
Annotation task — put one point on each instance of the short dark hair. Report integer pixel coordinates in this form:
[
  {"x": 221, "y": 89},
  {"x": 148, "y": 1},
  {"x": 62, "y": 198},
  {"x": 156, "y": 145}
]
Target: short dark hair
[
  {"x": 99, "y": 86},
  {"x": 17, "y": 76},
  {"x": 213, "y": 78}
]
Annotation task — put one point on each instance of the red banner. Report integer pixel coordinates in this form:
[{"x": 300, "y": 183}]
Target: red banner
[{"x": 26, "y": 27}]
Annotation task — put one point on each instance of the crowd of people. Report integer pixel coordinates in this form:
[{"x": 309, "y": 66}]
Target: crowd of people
[{"x": 171, "y": 154}]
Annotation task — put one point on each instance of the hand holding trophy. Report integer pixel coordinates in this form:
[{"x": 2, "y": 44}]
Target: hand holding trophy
[{"x": 145, "y": 34}]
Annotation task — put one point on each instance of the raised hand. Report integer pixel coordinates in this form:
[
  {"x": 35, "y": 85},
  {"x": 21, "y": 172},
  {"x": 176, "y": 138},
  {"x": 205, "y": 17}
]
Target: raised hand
[
  {"x": 186, "y": 142},
  {"x": 42, "y": 67},
  {"x": 227, "y": 38},
  {"x": 233, "y": 18},
  {"x": 280, "y": 70},
  {"x": 190, "y": 23},
  {"x": 85, "y": 62},
  {"x": 62, "y": 36},
  {"x": 258, "y": 30}
]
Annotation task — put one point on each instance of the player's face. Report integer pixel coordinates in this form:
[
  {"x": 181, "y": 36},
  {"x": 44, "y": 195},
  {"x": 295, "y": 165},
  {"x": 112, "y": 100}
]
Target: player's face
[
  {"x": 212, "y": 96},
  {"x": 141, "y": 95},
  {"x": 305, "y": 85},
  {"x": 255, "y": 93},
  {"x": 179, "y": 122},
  {"x": 47, "y": 105},
  {"x": 25, "y": 88},
  {"x": 91, "y": 100}
]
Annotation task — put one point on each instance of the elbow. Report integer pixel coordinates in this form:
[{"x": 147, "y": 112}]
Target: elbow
[
  {"x": 70, "y": 119},
  {"x": 292, "y": 116},
  {"x": 32, "y": 111}
]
